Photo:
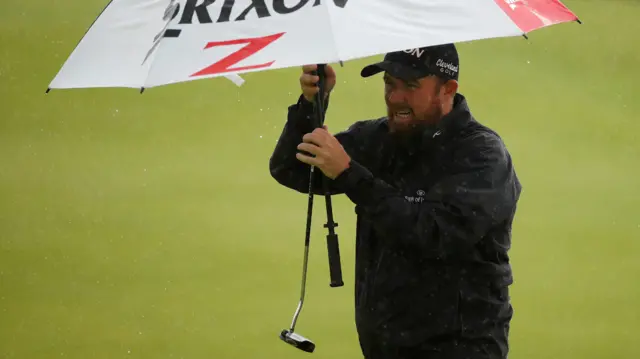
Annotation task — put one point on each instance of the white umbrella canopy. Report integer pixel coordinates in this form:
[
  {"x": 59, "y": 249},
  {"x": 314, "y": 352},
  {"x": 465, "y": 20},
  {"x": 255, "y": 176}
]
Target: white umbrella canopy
[{"x": 148, "y": 43}]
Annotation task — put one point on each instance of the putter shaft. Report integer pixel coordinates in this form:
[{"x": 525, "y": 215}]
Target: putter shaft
[{"x": 305, "y": 260}]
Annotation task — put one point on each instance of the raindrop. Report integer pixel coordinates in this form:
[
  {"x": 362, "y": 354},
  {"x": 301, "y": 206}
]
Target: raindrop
[
  {"x": 260, "y": 136},
  {"x": 528, "y": 61},
  {"x": 260, "y": 110}
]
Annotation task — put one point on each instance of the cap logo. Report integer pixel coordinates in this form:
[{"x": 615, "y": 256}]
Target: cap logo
[
  {"x": 447, "y": 67},
  {"x": 414, "y": 52}
]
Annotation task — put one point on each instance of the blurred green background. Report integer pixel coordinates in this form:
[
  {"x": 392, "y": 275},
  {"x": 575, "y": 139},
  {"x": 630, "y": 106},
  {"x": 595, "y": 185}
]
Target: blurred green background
[{"x": 149, "y": 227}]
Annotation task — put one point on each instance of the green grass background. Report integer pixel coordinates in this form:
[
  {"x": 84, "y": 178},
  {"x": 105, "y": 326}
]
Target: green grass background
[{"x": 149, "y": 227}]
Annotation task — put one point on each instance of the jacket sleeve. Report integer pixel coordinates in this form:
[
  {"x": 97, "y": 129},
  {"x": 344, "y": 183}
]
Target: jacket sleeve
[
  {"x": 283, "y": 164},
  {"x": 480, "y": 191}
]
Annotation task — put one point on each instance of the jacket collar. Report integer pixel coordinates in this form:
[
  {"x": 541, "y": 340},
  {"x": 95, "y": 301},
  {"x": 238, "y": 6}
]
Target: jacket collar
[{"x": 458, "y": 118}]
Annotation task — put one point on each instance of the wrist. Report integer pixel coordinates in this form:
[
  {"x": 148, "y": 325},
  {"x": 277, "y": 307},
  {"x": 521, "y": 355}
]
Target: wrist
[
  {"x": 356, "y": 181},
  {"x": 311, "y": 101},
  {"x": 350, "y": 176}
]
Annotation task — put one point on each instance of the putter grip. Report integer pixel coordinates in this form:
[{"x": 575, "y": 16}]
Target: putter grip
[{"x": 335, "y": 268}]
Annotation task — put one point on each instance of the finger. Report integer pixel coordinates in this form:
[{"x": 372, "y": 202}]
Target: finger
[
  {"x": 313, "y": 161},
  {"x": 309, "y": 148},
  {"x": 309, "y": 68},
  {"x": 309, "y": 80},
  {"x": 312, "y": 138},
  {"x": 318, "y": 137},
  {"x": 322, "y": 133}
]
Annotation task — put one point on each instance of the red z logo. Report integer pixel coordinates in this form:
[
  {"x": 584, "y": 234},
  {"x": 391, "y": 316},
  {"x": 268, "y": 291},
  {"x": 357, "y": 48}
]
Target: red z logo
[{"x": 253, "y": 45}]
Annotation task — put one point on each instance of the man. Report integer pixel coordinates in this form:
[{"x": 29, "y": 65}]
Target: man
[{"x": 435, "y": 194}]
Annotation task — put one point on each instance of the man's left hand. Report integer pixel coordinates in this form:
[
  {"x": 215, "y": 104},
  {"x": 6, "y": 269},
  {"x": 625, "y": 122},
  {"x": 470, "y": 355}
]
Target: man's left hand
[{"x": 329, "y": 155}]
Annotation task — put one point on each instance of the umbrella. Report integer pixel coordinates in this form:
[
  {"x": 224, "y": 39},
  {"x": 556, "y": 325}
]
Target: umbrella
[{"x": 148, "y": 43}]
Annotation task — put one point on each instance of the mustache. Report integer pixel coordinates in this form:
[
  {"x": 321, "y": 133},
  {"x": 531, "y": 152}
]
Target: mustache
[{"x": 399, "y": 108}]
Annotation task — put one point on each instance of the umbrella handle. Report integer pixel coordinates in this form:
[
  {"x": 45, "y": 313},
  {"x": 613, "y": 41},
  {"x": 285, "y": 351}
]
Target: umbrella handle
[
  {"x": 319, "y": 101},
  {"x": 333, "y": 248}
]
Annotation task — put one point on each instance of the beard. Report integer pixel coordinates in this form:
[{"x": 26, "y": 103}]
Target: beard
[
  {"x": 412, "y": 122},
  {"x": 409, "y": 128}
]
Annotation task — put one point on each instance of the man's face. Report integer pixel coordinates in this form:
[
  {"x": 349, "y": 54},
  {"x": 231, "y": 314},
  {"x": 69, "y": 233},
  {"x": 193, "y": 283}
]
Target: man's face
[{"x": 412, "y": 104}]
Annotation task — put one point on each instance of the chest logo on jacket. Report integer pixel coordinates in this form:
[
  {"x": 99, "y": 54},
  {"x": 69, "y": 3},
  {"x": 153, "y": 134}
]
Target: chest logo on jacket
[{"x": 418, "y": 198}]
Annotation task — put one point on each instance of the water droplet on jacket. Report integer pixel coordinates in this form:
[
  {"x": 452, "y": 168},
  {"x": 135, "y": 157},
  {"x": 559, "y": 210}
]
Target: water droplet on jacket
[
  {"x": 260, "y": 136},
  {"x": 528, "y": 61}
]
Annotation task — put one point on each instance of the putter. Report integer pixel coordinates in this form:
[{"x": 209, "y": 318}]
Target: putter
[{"x": 289, "y": 336}]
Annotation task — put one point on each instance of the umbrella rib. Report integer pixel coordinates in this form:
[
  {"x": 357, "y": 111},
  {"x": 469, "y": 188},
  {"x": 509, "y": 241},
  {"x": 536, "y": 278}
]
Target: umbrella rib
[
  {"x": 153, "y": 52},
  {"x": 151, "y": 58}
]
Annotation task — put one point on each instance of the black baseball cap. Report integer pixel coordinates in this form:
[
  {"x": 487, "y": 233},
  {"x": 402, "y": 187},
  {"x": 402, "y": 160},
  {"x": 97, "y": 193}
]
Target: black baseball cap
[{"x": 411, "y": 64}]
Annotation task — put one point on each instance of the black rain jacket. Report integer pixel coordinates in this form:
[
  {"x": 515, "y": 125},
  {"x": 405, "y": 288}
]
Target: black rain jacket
[{"x": 434, "y": 219}]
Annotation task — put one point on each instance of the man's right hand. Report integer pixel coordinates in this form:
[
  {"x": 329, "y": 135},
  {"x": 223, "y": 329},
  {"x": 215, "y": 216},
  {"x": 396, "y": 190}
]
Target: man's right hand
[{"x": 308, "y": 81}]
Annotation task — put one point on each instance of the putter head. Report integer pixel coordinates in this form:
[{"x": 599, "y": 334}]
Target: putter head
[{"x": 297, "y": 341}]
